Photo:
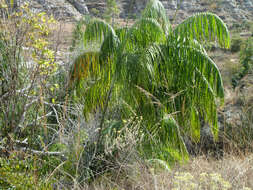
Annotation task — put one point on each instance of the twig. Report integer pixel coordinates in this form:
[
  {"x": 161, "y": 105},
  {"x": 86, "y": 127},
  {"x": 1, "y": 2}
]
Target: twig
[{"x": 37, "y": 152}]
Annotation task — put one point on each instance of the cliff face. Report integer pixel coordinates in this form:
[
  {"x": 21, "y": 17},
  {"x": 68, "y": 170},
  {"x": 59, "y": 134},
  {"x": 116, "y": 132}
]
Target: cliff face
[{"x": 229, "y": 10}]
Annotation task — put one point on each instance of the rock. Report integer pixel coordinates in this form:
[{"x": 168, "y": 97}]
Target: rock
[
  {"x": 98, "y": 5},
  {"x": 187, "y": 5},
  {"x": 245, "y": 34},
  {"x": 60, "y": 9},
  {"x": 80, "y": 6},
  {"x": 131, "y": 8},
  {"x": 230, "y": 10},
  {"x": 170, "y": 5},
  {"x": 248, "y": 4}
]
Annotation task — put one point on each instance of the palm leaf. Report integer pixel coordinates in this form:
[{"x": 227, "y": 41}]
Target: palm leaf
[
  {"x": 195, "y": 124},
  {"x": 156, "y": 10},
  {"x": 84, "y": 66},
  {"x": 204, "y": 26},
  {"x": 97, "y": 30},
  {"x": 183, "y": 64},
  {"x": 147, "y": 31},
  {"x": 171, "y": 134},
  {"x": 193, "y": 54}
]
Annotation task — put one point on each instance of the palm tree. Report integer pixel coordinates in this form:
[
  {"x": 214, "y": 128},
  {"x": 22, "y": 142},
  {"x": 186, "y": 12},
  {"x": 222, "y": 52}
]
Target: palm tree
[{"x": 161, "y": 74}]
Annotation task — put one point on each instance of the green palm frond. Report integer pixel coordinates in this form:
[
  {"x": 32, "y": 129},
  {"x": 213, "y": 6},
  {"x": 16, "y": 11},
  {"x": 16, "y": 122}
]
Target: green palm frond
[
  {"x": 191, "y": 56},
  {"x": 122, "y": 33},
  {"x": 147, "y": 31},
  {"x": 204, "y": 26},
  {"x": 171, "y": 134},
  {"x": 92, "y": 78},
  {"x": 115, "y": 43},
  {"x": 156, "y": 10},
  {"x": 183, "y": 64},
  {"x": 84, "y": 65},
  {"x": 195, "y": 124},
  {"x": 109, "y": 46},
  {"x": 97, "y": 30},
  {"x": 205, "y": 65}
]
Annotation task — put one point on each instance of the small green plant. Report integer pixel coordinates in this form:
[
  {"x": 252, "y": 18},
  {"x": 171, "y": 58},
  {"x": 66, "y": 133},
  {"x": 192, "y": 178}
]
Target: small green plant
[
  {"x": 236, "y": 43},
  {"x": 16, "y": 173},
  {"x": 95, "y": 12},
  {"x": 246, "y": 61},
  {"x": 246, "y": 55}
]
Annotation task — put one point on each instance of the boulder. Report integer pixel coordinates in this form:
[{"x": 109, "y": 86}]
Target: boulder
[{"x": 80, "y": 6}]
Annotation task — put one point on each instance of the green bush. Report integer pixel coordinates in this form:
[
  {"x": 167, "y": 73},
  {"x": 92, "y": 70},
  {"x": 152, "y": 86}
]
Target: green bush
[
  {"x": 246, "y": 60},
  {"x": 22, "y": 174},
  {"x": 236, "y": 44},
  {"x": 246, "y": 55}
]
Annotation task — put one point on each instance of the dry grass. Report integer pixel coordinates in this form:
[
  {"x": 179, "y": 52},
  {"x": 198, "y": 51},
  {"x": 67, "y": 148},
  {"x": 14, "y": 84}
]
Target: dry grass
[
  {"x": 235, "y": 172},
  {"x": 228, "y": 63}
]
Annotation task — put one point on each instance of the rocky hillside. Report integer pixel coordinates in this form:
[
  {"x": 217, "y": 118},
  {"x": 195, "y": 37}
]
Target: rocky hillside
[{"x": 229, "y": 10}]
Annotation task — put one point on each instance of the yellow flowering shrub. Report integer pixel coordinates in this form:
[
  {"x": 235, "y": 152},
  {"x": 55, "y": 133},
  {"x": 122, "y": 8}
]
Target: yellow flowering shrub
[
  {"x": 27, "y": 65},
  {"x": 35, "y": 29},
  {"x": 37, "y": 39}
]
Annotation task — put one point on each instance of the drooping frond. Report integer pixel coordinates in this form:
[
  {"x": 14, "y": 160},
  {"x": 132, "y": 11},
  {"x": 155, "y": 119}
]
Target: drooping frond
[
  {"x": 166, "y": 141},
  {"x": 146, "y": 31},
  {"x": 84, "y": 65},
  {"x": 204, "y": 26},
  {"x": 172, "y": 132},
  {"x": 97, "y": 30},
  {"x": 183, "y": 65},
  {"x": 156, "y": 10},
  {"x": 109, "y": 46},
  {"x": 205, "y": 83},
  {"x": 153, "y": 54},
  {"x": 113, "y": 44},
  {"x": 92, "y": 78},
  {"x": 191, "y": 52},
  {"x": 195, "y": 124}
]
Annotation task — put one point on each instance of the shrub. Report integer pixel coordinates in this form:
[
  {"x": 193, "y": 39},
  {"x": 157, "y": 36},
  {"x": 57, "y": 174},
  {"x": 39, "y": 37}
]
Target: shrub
[
  {"x": 236, "y": 44},
  {"x": 27, "y": 64},
  {"x": 246, "y": 55},
  {"x": 16, "y": 173},
  {"x": 246, "y": 61}
]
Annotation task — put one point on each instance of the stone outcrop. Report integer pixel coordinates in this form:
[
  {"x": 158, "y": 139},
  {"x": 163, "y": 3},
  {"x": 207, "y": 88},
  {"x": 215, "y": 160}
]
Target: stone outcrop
[
  {"x": 229, "y": 10},
  {"x": 80, "y": 6},
  {"x": 61, "y": 9}
]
